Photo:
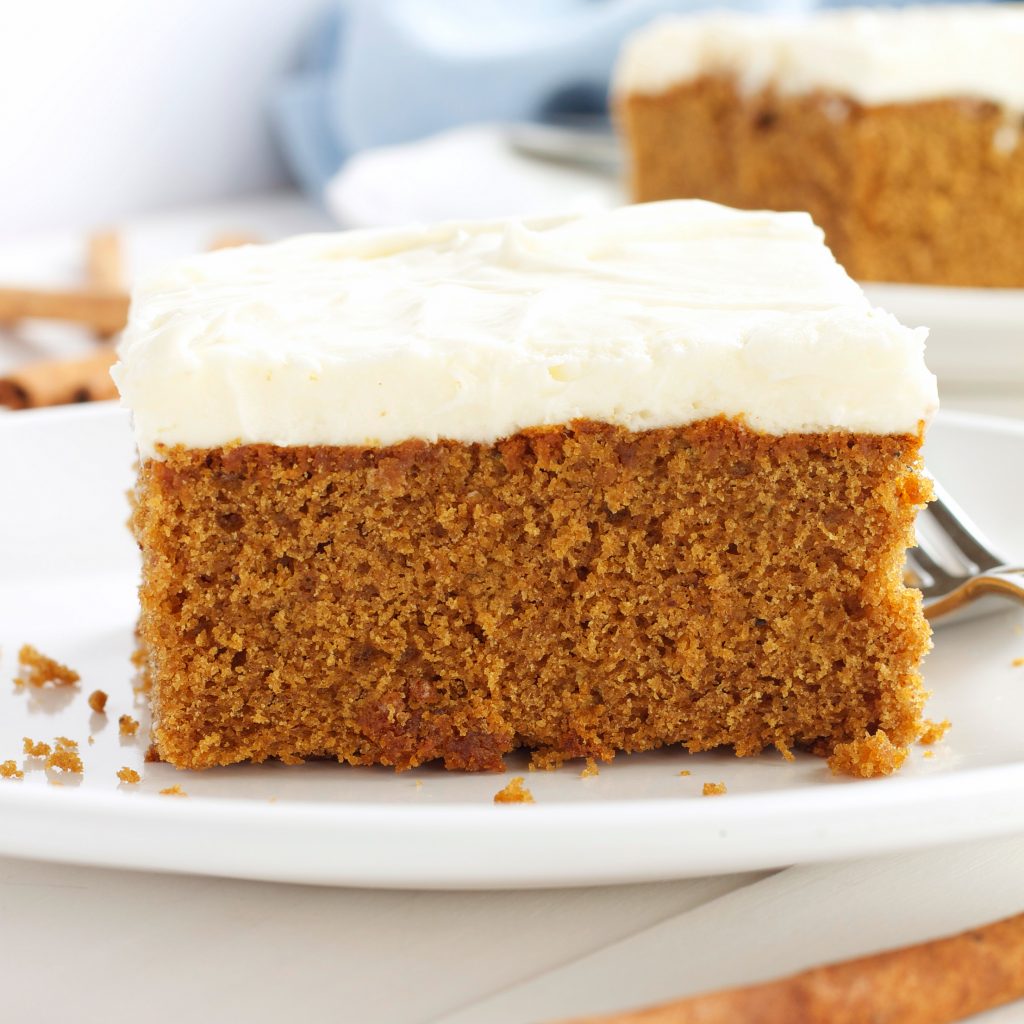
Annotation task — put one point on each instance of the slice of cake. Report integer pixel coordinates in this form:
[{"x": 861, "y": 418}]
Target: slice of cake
[
  {"x": 898, "y": 129},
  {"x": 578, "y": 486}
]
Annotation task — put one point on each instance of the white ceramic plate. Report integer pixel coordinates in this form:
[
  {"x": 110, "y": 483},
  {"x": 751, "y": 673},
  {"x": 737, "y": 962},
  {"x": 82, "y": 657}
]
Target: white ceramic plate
[{"x": 67, "y": 577}]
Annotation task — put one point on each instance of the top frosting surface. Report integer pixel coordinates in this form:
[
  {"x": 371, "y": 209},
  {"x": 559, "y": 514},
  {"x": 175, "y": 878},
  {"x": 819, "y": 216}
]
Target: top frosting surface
[
  {"x": 646, "y": 316},
  {"x": 872, "y": 55}
]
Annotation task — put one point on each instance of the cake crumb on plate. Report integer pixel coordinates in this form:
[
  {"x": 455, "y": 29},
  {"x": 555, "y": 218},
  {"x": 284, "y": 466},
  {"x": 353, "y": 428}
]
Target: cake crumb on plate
[
  {"x": 65, "y": 759},
  {"x": 98, "y": 701},
  {"x": 934, "y": 731},
  {"x": 867, "y": 757},
  {"x": 685, "y": 772},
  {"x": 514, "y": 793},
  {"x": 174, "y": 790},
  {"x": 37, "y": 669},
  {"x": 35, "y": 748},
  {"x": 10, "y": 770},
  {"x": 590, "y": 769},
  {"x": 714, "y": 789},
  {"x": 127, "y": 725},
  {"x": 129, "y": 775}
]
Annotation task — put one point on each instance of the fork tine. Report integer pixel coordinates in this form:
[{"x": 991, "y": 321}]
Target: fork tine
[
  {"x": 962, "y": 533},
  {"x": 937, "y": 574},
  {"x": 915, "y": 576}
]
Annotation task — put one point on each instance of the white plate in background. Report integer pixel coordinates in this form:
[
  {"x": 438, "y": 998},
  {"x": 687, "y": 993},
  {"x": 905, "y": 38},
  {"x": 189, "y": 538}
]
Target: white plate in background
[{"x": 67, "y": 578}]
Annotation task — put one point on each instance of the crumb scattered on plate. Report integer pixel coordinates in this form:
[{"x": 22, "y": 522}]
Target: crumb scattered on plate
[
  {"x": 127, "y": 725},
  {"x": 10, "y": 770},
  {"x": 63, "y": 741},
  {"x": 929, "y": 753},
  {"x": 514, "y": 793},
  {"x": 685, "y": 772},
  {"x": 34, "y": 748},
  {"x": 934, "y": 731},
  {"x": 129, "y": 775},
  {"x": 1017, "y": 663},
  {"x": 714, "y": 789},
  {"x": 174, "y": 790},
  {"x": 65, "y": 759},
  {"x": 867, "y": 757},
  {"x": 98, "y": 701},
  {"x": 590, "y": 769},
  {"x": 37, "y": 669}
]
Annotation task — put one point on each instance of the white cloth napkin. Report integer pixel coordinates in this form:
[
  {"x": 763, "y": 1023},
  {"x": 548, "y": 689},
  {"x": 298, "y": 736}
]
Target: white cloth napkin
[{"x": 798, "y": 918}]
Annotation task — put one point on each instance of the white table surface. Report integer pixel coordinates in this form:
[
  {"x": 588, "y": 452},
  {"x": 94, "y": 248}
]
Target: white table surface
[{"x": 98, "y": 945}]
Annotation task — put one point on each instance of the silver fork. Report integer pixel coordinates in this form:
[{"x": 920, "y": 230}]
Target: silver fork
[{"x": 953, "y": 564}]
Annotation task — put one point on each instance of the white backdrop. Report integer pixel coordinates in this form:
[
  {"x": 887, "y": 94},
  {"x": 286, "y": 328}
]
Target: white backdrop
[{"x": 113, "y": 107}]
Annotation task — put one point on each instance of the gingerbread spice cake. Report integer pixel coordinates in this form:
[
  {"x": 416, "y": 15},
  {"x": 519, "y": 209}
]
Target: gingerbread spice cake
[
  {"x": 578, "y": 485},
  {"x": 899, "y": 129}
]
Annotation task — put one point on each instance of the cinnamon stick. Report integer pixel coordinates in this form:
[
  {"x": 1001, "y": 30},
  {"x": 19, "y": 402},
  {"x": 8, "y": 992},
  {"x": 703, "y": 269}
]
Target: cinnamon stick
[
  {"x": 60, "y": 381},
  {"x": 106, "y": 312},
  {"x": 105, "y": 261},
  {"x": 105, "y": 265},
  {"x": 932, "y": 983}
]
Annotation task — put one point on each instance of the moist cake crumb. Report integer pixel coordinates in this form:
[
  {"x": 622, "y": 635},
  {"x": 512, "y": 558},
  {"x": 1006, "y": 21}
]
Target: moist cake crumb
[
  {"x": 714, "y": 789},
  {"x": 129, "y": 775},
  {"x": 127, "y": 725},
  {"x": 685, "y": 772},
  {"x": 63, "y": 741},
  {"x": 34, "y": 748},
  {"x": 38, "y": 669},
  {"x": 514, "y": 793},
  {"x": 555, "y": 553},
  {"x": 934, "y": 731},
  {"x": 65, "y": 759},
  {"x": 590, "y": 769},
  {"x": 98, "y": 701},
  {"x": 174, "y": 790},
  {"x": 10, "y": 770},
  {"x": 868, "y": 756}
]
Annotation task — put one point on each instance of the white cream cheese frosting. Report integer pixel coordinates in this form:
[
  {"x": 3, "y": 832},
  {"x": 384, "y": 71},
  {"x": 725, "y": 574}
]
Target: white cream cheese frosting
[
  {"x": 646, "y": 316},
  {"x": 872, "y": 55}
]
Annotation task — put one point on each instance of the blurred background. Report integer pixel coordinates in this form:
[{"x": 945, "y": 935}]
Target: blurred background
[{"x": 138, "y": 132}]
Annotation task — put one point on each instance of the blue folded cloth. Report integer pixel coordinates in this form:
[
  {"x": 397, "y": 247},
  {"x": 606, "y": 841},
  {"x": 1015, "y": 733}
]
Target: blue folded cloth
[{"x": 378, "y": 72}]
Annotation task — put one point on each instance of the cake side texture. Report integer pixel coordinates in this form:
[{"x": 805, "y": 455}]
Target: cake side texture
[{"x": 575, "y": 591}]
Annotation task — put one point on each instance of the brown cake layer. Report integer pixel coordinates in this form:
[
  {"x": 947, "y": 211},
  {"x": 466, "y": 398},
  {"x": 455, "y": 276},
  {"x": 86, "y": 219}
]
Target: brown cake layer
[
  {"x": 577, "y": 591},
  {"x": 921, "y": 192}
]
